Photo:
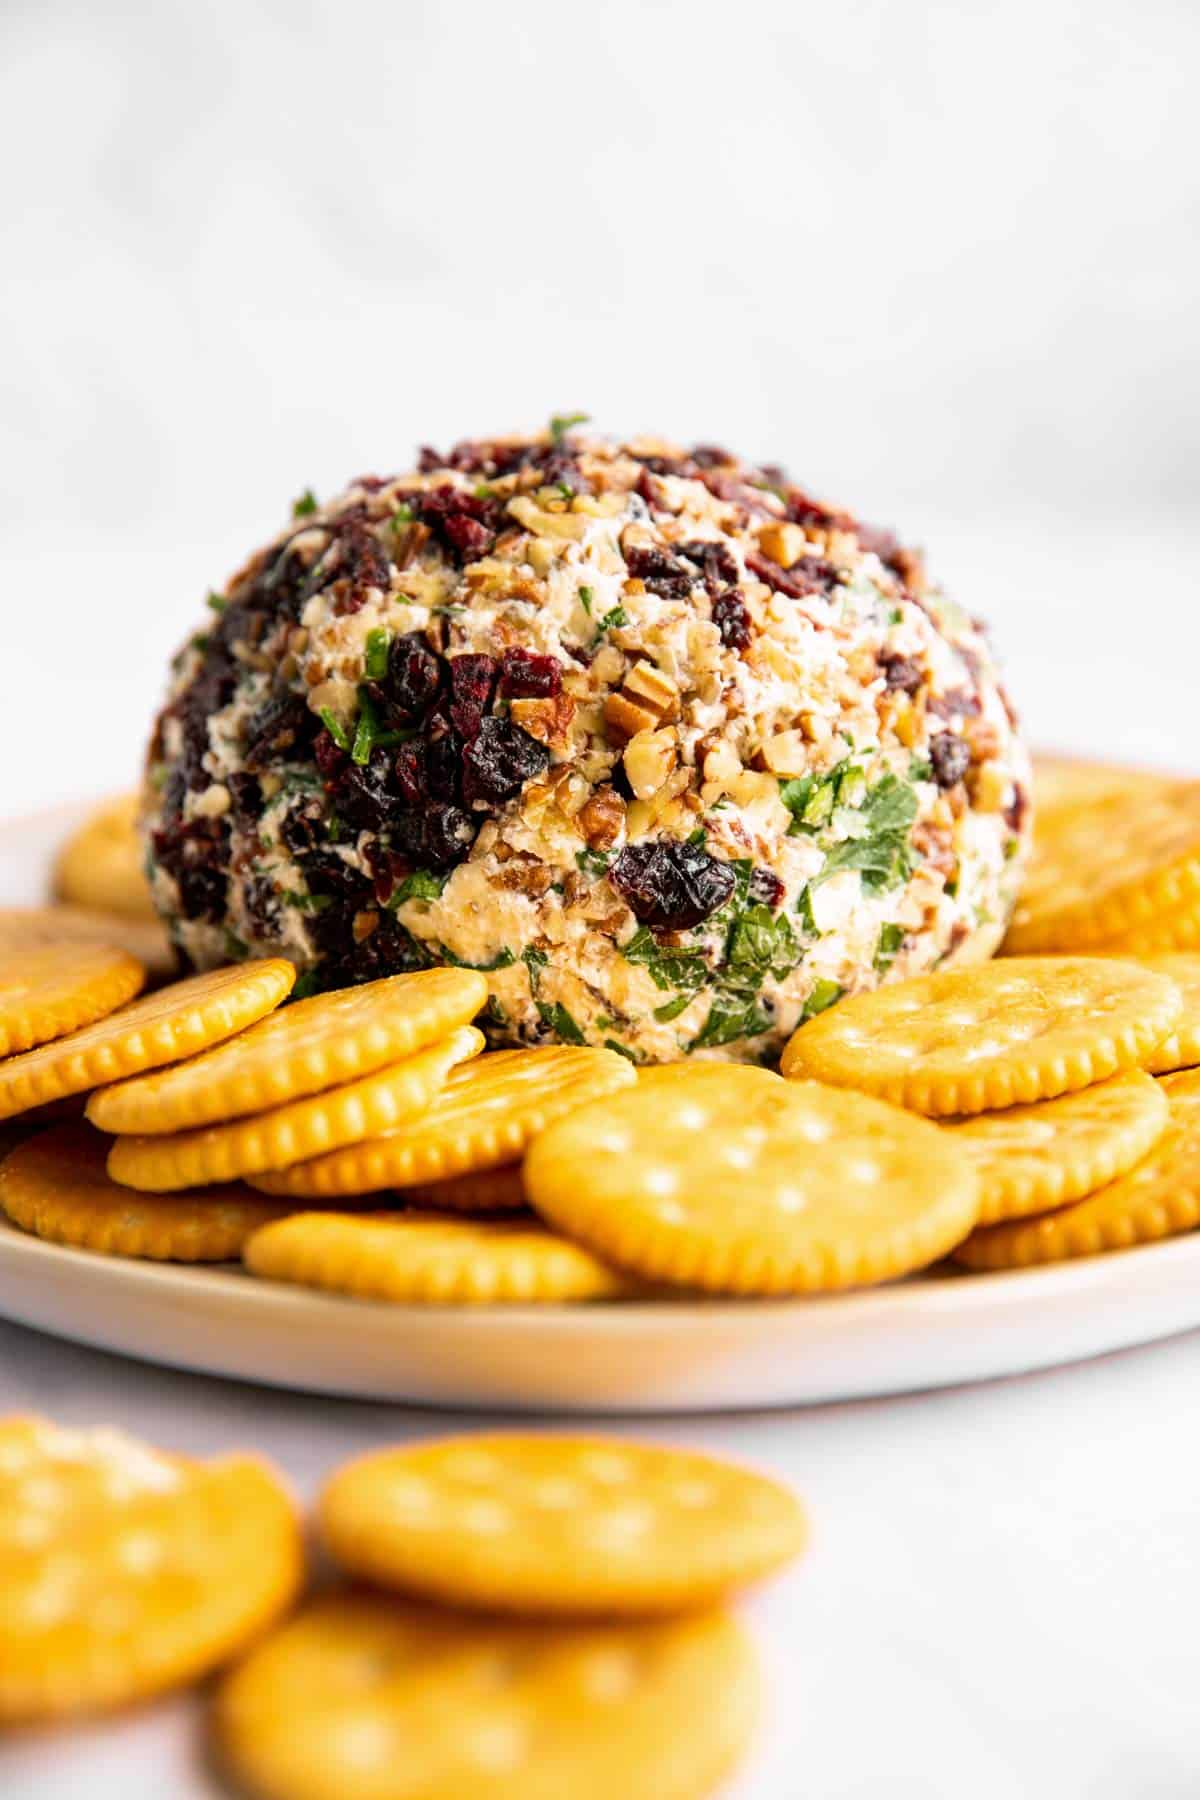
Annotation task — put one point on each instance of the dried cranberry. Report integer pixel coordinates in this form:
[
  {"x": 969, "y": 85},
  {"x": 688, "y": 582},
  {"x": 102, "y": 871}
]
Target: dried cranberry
[
  {"x": 443, "y": 765},
  {"x": 412, "y": 773},
  {"x": 447, "y": 836},
  {"x": 471, "y": 681},
  {"x": 1018, "y": 806},
  {"x": 499, "y": 761},
  {"x": 885, "y": 544},
  {"x": 276, "y": 731},
  {"x": 470, "y": 537},
  {"x": 196, "y": 855},
  {"x": 802, "y": 509},
  {"x": 662, "y": 573},
  {"x": 429, "y": 461},
  {"x": 671, "y": 885},
  {"x": 327, "y": 756},
  {"x": 731, "y": 619},
  {"x": 466, "y": 524},
  {"x": 810, "y": 575},
  {"x": 365, "y": 793},
  {"x": 329, "y": 874},
  {"x": 303, "y": 828},
  {"x": 525, "y": 674},
  {"x": 246, "y": 797},
  {"x": 716, "y": 562},
  {"x": 903, "y": 673},
  {"x": 710, "y": 456},
  {"x": 413, "y": 677},
  {"x": 361, "y": 563},
  {"x": 950, "y": 758},
  {"x": 765, "y": 887}
]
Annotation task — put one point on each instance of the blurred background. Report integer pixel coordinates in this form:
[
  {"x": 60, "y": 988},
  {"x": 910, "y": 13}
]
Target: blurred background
[{"x": 939, "y": 258}]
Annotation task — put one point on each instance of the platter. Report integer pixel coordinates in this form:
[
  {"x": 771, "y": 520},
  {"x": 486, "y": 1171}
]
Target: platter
[{"x": 931, "y": 1331}]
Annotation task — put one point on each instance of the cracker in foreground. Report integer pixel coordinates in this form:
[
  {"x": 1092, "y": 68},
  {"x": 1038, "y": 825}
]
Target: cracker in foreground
[
  {"x": 974, "y": 1040},
  {"x": 303, "y": 1049},
  {"x": 124, "y": 1571},
  {"x": 365, "y": 1698},
  {"x": 1032, "y": 1158},
  {"x": 734, "y": 1181},
  {"x": 159, "y": 1028},
  {"x": 483, "y": 1118},
  {"x": 47, "y": 991},
  {"x": 478, "y": 1191},
  {"x": 56, "y": 1186},
  {"x": 432, "y": 1260},
  {"x": 100, "y": 864},
  {"x": 549, "y": 1526},
  {"x": 1181, "y": 1049},
  {"x": 1159, "y": 1198},
  {"x": 144, "y": 939},
  {"x": 288, "y": 1134},
  {"x": 1109, "y": 867}
]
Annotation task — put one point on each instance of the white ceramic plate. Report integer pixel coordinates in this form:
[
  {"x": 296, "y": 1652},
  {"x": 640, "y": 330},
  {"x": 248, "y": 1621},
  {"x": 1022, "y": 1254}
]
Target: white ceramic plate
[{"x": 686, "y": 1356}]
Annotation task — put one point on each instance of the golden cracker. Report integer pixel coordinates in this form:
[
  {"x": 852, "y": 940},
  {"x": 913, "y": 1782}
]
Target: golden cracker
[
  {"x": 294, "y": 1132},
  {"x": 1158, "y": 1198},
  {"x": 557, "y": 1526},
  {"x": 143, "y": 939},
  {"x": 55, "y": 1185},
  {"x": 124, "y": 1571},
  {"x": 101, "y": 863},
  {"x": 1110, "y": 867},
  {"x": 483, "y": 1118},
  {"x": 363, "y": 1697},
  {"x": 48, "y": 990},
  {"x": 735, "y": 1181},
  {"x": 974, "y": 1040},
  {"x": 159, "y": 1028},
  {"x": 428, "y": 1259},
  {"x": 1032, "y": 1158},
  {"x": 303, "y": 1049}
]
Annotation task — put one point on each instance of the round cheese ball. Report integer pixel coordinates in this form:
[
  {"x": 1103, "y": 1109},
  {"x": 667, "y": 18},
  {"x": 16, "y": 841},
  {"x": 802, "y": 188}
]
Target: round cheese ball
[{"x": 674, "y": 752}]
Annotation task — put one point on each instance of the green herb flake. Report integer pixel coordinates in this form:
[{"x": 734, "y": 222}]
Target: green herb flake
[
  {"x": 535, "y": 961},
  {"x": 1011, "y": 846},
  {"x": 673, "y": 1008},
  {"x": 307, "y": 903},
  {"x": 759, "y": 945},
  {"x": 503, "y": 959},
  {"x": 217, "y": 602},
  {"x": 622, "y": 1050},
  {"x": 613, "y": 621},
  {"x": 335, "y": 728},
  {"x": 586, "y": 596},
  {"x": 403, "y": 515},
  {"x": 420, "y": 884},
  {"x": 305, "y": 506},
  {"x": 667, "y": 968},
  {"x": 593, "y": 862},
  {"x": 307, "y": 984},
  {"x": 882, "y": 854},
  {"x": 556, "y": 1016},
  {"x": 822, "y": 997},
  {"x": 235, "y": 950},
  {"x": 494, "y": 1011},
  {"x": 890, "y": 939},
  {"x": 375, "y": 658},
  {"x": 731, "y": 1019},
  {"x": 561, "y": 424}
]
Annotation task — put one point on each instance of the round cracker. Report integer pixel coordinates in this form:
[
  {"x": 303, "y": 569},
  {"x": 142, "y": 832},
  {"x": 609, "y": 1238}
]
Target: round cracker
[
  {"x": 1109, "y": 867},
  {"x": 1158, "y": 1198},
  {"x": 1180, "y": 1049},
  {"x": 363, "y": 1696},
  {"x": 563, "y": 1526},
  {"x": 430, "y": 1259},
  {"x": 974, "y": 1040},
  {"x": 1065, "y": 783},
  {"x": 56, "y": 1186},
  {"x": 48, "y": 990},
  {"x": 125, "y": 1571},
  {"x": 287, "y": 1134},
  {"x": 147, "y": 941},
  {"x": 307, "y": 1047},
  {"x": 737, "y": 1182},
  {"x": 483, "y": 1118},
  {"x": 1032, "y": 1158},
  {"x": 478, "y": 1191},
  {"x": 162, "y": 1027},
  {"x": 102, "y": 863}
]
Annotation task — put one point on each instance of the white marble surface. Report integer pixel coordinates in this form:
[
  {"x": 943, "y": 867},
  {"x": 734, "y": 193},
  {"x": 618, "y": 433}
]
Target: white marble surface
[{"x": 942, "y": 261}]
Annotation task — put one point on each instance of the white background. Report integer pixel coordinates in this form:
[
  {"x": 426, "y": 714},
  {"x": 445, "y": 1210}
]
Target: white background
[{"x": 941, "y": 259}]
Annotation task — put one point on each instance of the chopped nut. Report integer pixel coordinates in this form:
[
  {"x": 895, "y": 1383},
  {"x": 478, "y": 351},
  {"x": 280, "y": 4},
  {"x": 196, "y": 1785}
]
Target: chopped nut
[
  {"x": 548, "y": 720},
  {"x": 785, "y": 544},
  {"x": 625, "y": 719},
  {"x": 364, "y": 924},
  {"x": 648, "y": 760},
  {"x": 526, "y": 875},
  {"x": 648, "y": 686},
  {"x": 786, "y": 753},
  {"x": 602, "y": 818}
]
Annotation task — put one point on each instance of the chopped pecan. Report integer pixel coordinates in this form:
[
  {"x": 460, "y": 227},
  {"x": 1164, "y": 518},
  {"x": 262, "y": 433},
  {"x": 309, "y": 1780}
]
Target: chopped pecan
[
  {"x": 549, "y": 721},
  {"x": 602, "y": 818}
]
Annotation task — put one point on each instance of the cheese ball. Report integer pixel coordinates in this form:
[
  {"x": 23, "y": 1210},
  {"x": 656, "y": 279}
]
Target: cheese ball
[{"x": 674, "y": 752}]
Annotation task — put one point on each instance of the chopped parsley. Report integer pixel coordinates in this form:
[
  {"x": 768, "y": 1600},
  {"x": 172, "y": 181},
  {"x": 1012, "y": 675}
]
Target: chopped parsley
[
  {"x": 335, "y": 728},
  {"x": 673, "y": 1008},
  {"x": 305, "y": 506},
  {"x": 369, "y": 733},
  {"x": 420, "y": 884},
  {"x": 403, "y": 515},
  {"x": 920, "y": 769},
  {"x": 612, "y": 621},
  {"x": 586, "y": 596},
  {"x": 760, "y": 944},
  {"x": 503, "y": 959},
  {"x": 375, "y": 659},
  {"x": 535, "y": 961},
  {"x": 494, "y": 1011},
  {"x": 890, "y": 939},
  {"x": 235, "y": 950},
  {"x": 308, "y": 983},
  {"x": 561, "y": 423},
  {"x": 730, "y": 1018},
  {"x": 822, "y": 997},
  {"x": 622, "y": 1050},
  {"x": 881, "y": 853},
  {"x": 667, "y": 968},
  {"x": 307, "y": 903},
  {"x": 217, "y": 602},
  {"x": 593, "y": 862},
  {"x": 556, "y": 1016}
]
